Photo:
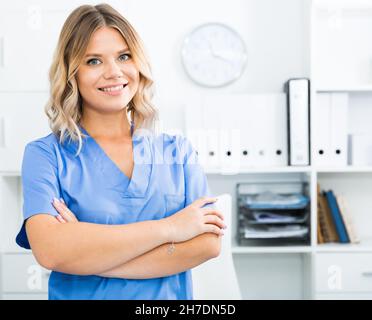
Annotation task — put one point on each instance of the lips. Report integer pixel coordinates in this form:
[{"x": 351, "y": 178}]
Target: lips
[{"x": 112, "y": 88}]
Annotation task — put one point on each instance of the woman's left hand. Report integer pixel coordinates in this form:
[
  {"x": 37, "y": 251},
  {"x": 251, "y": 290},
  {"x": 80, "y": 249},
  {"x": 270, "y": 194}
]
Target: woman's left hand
[{"x": 65, "y": 214}]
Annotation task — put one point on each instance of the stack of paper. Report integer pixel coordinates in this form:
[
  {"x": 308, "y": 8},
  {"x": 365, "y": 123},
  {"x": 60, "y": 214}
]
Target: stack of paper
[
  {"x": 270, "y": 200},
  {"x": 262, "y": 217},
  {"x": 269, "y": 215},
  {"x": 267, "y": 232}
]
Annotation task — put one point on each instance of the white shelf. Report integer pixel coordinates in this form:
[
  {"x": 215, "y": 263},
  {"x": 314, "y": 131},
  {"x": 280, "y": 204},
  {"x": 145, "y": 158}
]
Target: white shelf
[
  {"x": 346, "y": 88},
  {"x": 364, "y": 246},
  {"x": 335, "y": 169},
  {"x": 287, "y": 169},
  {"x": 347, "y": 169},
  {"x": 276, "y": 249}
]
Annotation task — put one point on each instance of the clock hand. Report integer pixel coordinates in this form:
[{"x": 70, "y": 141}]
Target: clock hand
[
  {"x": 216, "y": 55},
  {"x": 223, "y": 58}
]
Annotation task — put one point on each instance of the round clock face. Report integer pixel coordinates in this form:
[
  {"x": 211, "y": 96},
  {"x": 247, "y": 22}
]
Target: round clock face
[{"x": 214, "y": 55}]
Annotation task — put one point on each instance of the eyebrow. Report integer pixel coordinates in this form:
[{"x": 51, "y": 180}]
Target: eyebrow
[{"x": 99, "y": 55}]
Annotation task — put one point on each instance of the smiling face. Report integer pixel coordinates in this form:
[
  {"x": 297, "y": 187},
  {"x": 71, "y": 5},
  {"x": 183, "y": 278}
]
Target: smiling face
[{"x": 107, "y": 76}]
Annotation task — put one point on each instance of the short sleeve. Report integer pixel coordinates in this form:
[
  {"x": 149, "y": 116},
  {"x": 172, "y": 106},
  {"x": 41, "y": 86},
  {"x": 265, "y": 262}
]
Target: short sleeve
[
  {"x": 196, "y": 184},
  {"x": 40, "y": 184}
]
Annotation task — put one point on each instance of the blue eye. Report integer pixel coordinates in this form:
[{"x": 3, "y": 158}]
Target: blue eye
[
  {"x": 93, "y": 62},
  {"x": 125, "y": 57}
]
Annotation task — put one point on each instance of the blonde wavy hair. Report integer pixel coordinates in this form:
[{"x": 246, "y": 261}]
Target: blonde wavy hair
[{"x": 64, "y": 107}]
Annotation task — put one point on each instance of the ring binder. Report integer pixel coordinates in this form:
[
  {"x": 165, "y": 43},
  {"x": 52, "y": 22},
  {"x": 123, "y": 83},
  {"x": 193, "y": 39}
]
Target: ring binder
[{"x": 298, "y": 111}]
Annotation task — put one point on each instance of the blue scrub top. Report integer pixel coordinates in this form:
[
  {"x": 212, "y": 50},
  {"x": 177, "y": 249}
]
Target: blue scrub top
[{"x": 166, "y": 177}]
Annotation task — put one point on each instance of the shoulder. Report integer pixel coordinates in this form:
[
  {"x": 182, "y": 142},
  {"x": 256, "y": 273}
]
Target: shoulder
[
  {"x": 47, "y": 145},
  {"x": 49, "y": 140}
]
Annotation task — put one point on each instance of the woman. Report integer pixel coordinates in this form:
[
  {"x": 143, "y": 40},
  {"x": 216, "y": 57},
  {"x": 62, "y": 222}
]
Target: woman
[{"x": 133, "y": 220}]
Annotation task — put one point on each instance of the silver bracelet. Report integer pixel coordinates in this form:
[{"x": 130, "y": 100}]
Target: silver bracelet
[{"x": 171, "y": 248}]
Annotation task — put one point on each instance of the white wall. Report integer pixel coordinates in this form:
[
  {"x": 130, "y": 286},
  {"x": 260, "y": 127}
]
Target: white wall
[{"x": 272, "y": 30}]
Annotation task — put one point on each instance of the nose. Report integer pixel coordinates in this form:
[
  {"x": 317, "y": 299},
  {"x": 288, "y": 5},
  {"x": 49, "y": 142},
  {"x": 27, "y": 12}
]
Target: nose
[{"x": 112, "y": 70}]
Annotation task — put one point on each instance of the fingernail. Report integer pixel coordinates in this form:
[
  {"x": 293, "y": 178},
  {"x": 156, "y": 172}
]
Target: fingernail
[
  {"x": 62, "y": 200},
  {"x": 55, "y": 200}
]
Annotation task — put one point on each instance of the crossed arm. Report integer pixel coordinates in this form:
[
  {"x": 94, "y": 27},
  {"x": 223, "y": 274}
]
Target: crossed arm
[
  {"x": 159, "y": 262},
  {"x": 110, "y": 251}
]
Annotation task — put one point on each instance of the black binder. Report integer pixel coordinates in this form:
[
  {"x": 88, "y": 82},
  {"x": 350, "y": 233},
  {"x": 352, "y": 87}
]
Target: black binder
[{"x": 298, "y": 121}]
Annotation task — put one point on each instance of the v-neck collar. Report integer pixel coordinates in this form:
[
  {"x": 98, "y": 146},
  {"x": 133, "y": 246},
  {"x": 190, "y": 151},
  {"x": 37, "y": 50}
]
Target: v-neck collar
[{"x": 137, "y": 185}]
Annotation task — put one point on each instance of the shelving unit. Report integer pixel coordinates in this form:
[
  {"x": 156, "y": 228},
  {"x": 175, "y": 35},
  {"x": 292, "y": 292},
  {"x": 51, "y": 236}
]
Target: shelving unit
[{"x": 320, "y": 264}]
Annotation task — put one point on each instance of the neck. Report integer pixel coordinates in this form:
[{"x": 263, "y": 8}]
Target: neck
[{"x": 106, "y": 126}]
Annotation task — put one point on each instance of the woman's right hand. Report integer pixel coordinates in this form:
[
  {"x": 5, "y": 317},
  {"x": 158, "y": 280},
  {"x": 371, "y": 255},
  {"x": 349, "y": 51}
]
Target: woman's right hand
[{"x": 194, "y": 220}]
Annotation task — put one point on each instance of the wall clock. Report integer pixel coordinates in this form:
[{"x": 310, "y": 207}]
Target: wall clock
[{"x": 214, "y": 55}]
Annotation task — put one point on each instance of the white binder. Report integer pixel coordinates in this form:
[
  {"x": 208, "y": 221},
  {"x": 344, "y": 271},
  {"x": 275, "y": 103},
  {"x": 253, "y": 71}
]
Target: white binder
[
  {"x": 276, "y": 136},
  {"x": 212, "y": 149},
  {"x": 240, "y": 131},
  {"x": 322, "y": 122},
  {"x": 331, "y": 129},
  {"x": 247, "y": 140},
  {"x": 299, "y": 122},
  {"x": 360, "y": 149},
  {"x": 339, "y": 128},
  {"x": 211, "y": 117},
  {"x": 230, "y": 131},
  {"x": 229, "y": 151},
  {"x": 223, "y": 139},
  {"x": 257, "y": 131},
  {"x": 260, "y": 121}
]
